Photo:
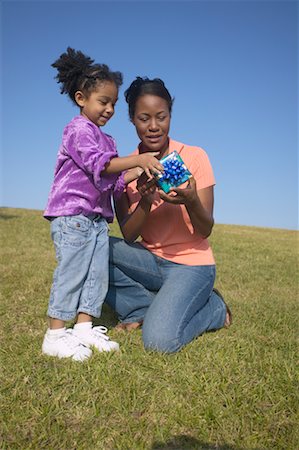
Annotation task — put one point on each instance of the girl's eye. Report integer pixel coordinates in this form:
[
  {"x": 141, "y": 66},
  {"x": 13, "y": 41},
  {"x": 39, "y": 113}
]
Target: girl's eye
[{"x": 161, "y": 118}]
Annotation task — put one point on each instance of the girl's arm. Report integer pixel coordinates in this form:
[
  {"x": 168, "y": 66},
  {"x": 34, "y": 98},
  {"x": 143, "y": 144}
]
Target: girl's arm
[
  {"x": 199, "y": 205},
  {"x": 93, "y": 155},
  {"x": 146, "y": 161}
]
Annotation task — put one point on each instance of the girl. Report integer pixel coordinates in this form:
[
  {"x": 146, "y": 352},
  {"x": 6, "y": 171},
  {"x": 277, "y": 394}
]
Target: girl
[{"x": 88, "y": 171}]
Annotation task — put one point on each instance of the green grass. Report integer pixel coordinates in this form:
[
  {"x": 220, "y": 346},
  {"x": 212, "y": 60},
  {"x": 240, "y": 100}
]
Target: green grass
[{"x": 233, "y": 389}]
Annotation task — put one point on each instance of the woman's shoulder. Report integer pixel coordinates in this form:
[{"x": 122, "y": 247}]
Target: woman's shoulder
[
  {"x": 190, "y": 151},
  {"x": 196, "y": 159}
]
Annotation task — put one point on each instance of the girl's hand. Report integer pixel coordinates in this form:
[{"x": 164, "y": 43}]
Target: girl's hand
[
  {"x": 178, "y": 196},
  {"x": 150, "y": 164}
]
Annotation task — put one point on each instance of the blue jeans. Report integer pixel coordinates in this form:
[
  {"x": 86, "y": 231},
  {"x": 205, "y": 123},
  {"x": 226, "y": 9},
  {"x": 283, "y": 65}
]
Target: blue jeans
[
  {"x": 175, "y": 302},
  {"x": 80, "y": 281}
]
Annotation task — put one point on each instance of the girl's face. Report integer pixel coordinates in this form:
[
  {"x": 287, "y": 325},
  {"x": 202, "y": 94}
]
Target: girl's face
[
  {"x": 99, "y": 106},
  {"x": 152, "y": 122}
]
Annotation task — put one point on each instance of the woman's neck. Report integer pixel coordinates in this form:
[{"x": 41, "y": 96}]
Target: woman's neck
[{"x": 163, "y": 151}]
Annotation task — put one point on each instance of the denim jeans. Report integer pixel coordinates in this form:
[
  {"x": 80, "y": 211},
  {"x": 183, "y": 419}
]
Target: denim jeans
[
  {"x": 80, "y": 281},
  {"x": 176, "y": 302}
]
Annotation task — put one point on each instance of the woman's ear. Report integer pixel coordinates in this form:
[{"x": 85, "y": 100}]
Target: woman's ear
[{"x": 80, "y": 98}]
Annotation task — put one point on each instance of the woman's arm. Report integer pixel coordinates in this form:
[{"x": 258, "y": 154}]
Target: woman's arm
[{"x": 199, "y": 205}]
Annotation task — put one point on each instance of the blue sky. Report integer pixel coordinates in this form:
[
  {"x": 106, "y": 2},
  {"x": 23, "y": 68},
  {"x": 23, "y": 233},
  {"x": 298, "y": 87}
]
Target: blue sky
[{"x": 231, "y": 66}]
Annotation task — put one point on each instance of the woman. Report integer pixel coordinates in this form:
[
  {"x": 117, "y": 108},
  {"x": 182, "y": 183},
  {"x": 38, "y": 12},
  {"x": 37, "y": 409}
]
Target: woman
[{"x": 165, "y": 281}]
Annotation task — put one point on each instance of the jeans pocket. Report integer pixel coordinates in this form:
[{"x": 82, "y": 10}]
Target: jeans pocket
[{"x": 75, "y": 231}]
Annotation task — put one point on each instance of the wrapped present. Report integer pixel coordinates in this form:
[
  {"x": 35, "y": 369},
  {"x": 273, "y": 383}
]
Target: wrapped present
[{"x": 175, "y": 172}]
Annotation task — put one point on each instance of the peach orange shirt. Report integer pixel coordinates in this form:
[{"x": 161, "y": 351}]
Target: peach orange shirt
[{"x": 168, "y": 231}]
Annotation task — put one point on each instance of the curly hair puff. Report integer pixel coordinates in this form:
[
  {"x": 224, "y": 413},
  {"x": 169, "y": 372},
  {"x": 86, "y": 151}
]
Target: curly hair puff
[{"x": 77, "y": 72}]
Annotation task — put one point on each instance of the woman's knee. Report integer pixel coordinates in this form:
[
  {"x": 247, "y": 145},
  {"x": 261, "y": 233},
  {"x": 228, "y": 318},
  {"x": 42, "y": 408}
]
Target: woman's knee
[{"x": 160, "y": 341}]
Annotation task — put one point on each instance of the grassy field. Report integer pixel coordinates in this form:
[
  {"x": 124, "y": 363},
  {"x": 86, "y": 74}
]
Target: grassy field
[{"x": 230, "y": 390}]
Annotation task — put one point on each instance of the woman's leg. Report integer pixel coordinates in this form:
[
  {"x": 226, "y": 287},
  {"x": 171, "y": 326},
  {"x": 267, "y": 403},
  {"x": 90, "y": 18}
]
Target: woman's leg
[
  {"x": 176, "y": 302},
  {"x": 134, "y": 280},
  {"x": 184, "y": 308}
]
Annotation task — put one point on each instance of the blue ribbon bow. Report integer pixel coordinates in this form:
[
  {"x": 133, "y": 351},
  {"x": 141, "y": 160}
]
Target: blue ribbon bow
[{"x": 174, "y": 171}]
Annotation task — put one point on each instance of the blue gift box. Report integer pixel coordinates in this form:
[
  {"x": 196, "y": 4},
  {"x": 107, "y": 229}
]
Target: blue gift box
[{"x": 175, "y": 172}]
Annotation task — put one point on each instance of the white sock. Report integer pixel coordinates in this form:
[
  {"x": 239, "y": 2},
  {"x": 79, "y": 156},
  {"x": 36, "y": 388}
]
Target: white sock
[
  {"x": 56, "y": 333},
  {"x": 83, "y": 326}
]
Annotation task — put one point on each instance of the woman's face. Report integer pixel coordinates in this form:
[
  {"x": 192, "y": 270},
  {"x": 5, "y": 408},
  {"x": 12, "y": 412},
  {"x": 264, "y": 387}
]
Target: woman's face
[{"x": 152, "y": 122}]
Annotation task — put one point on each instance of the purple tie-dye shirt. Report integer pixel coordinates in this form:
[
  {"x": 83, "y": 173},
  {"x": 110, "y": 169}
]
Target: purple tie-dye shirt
[{"x": 80, "y": 186}]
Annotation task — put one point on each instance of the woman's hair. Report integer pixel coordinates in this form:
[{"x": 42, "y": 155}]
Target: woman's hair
[
  {"x": 76, "y": 72},
  {"x": 145, "y": 86}
]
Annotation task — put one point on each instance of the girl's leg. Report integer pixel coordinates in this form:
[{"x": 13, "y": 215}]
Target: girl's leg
[
  {"x": 184, "y": 308},
  {"x": 95, "y": 286},
  {"x": 74, "y": 246},
  {"x": 56, "y": 324},
  {"x": 135, "y": 278},
  {"x": 94, "y": 291}
]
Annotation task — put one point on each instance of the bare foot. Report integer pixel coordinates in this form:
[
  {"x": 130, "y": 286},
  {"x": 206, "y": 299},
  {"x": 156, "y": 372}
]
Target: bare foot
[
  {"x": 128, "y": 326},
  {"x": 228, "y": 319},
  {"x": 228, "y": 316}
]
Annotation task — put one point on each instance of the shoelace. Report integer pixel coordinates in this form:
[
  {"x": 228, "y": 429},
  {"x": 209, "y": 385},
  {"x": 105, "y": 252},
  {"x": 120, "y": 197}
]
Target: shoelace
[{"x": 101, "y": 331}]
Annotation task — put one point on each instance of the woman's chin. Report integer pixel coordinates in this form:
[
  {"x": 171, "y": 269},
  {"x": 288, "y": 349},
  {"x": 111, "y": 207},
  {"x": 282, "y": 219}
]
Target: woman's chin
[{"x": 155, "y": 146}]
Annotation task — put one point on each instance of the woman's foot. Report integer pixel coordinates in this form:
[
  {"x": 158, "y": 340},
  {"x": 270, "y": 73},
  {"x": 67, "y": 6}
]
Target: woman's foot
[
  {"x": 228, "y": 317},
  {"x": 123, "y": 326}
]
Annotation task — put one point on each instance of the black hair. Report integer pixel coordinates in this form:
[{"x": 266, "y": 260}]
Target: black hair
[
  {"x": 77, "y": 72},
  {"x": 144, "y": 86}
]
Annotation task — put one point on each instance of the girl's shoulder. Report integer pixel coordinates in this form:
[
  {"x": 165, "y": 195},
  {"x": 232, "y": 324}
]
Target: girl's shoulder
[
  {"x": 80, "y": 122},
  {"x": 79, "y": 126},
  {"x": 84, "y": 131}
]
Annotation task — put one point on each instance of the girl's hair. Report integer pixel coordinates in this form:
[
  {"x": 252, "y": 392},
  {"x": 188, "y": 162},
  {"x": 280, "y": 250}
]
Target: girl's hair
[
  {"x": 145, "y": 86},
  {"x": 76, "y": 72}
]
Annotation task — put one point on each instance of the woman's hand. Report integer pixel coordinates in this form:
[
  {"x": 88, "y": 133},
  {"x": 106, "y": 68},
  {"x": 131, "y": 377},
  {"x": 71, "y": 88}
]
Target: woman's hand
[
  {"x": 199, "y": 205},
  {"x": 132, "y": 174},
  {"x": 146, "y": 188},
  {"x": 150, "y": 164},
  {"x": 179, "y": 196}
]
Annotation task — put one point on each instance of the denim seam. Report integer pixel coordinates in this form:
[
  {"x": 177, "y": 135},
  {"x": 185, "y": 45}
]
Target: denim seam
[
  {"x": 138, "y": 319},
  {"x": 62, "y": 316},
  {"x": 91, "y": 281},
  {"x": 90, "y": 312}
]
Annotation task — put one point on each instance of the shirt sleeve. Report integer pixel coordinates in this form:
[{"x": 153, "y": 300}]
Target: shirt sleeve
[
  {"x": 202, "y": 170},
  {"x": 91, "y": 150},
  {"x": 119, "y": 186}
]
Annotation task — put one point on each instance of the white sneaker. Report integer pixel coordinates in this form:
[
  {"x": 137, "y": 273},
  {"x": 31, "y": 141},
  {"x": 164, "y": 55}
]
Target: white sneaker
[
  {"x": 96, "y": 337},
  {"x": 66, "y": 345}
]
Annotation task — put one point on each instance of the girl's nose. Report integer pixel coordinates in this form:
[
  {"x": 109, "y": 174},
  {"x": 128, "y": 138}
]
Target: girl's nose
[{"x": 109, "y": 108}]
